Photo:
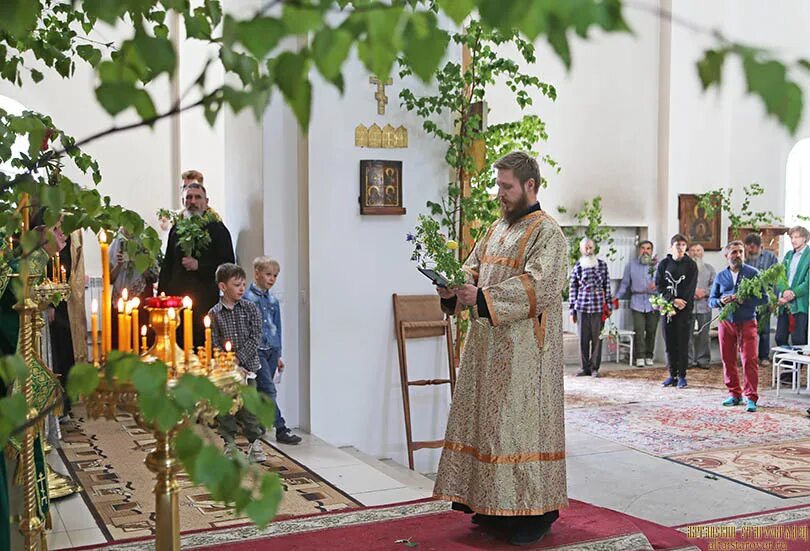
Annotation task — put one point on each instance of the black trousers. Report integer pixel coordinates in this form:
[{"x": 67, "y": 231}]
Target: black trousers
[
  {"x": 590, "y": 345},
  {"x": 676, "y": 335},
  {"x": 798, "y": 337}
]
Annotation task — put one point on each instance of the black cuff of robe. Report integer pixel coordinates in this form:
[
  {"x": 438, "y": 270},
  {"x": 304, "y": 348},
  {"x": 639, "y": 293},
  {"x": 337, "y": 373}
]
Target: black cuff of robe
[
  {"x": 449, "y": 304},
  {"x": 481, "y": 303}
]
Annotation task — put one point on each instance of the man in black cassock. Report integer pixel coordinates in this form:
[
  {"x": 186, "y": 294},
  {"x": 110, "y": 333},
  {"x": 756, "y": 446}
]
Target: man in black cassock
[{"x": 194, "y": 276}]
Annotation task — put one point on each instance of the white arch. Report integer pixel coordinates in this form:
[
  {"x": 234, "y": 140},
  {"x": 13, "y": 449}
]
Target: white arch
[{"x": 797, "y": 183}]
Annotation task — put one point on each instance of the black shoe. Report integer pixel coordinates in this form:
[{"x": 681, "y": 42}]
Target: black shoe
[
  {"x": 488, "y": 520},
  {"x": 461, "y": 507},
  {"x": 285, "y": 436},
  {"x": 528, "y": 533},
  {"x": 584, "y": 373}
]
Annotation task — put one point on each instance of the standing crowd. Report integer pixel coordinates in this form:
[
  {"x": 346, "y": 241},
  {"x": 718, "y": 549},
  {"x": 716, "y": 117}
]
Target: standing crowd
[{"x": 692, "y": 290}]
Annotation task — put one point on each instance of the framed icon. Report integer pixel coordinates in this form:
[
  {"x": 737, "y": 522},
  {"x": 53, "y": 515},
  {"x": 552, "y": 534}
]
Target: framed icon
[
  {"x": 697, "y": 225},
  {"x": 381, "y": 187}
]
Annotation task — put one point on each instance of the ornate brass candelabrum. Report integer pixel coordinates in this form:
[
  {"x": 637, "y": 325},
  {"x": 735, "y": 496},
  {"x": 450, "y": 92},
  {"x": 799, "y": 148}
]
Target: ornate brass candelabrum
[
  {"x": 35, "y": 298},
  {"x": 112, "y": 395}
]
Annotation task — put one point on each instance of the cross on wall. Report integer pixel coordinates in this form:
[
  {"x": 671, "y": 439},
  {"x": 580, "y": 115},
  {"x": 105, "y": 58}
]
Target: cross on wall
[{"x": 379, "y": 95}]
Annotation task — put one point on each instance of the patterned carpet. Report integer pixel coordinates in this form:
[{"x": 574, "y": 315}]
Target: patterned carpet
[
  {"x": 107, "y": 459},
  {"x": 779, "y": 469}
]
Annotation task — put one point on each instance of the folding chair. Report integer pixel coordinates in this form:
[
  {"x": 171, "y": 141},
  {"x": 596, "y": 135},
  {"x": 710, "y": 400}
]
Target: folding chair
[{"x": 415, "y": 317}]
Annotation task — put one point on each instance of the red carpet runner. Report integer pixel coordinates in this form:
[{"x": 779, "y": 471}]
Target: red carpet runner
[{"x": 583, "y": 526}]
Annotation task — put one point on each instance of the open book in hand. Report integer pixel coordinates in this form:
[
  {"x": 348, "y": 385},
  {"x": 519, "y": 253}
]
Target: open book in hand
[{"x": 434, "y": 276}]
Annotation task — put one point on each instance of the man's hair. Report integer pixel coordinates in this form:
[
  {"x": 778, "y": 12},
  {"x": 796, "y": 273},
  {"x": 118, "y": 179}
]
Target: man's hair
[
  {"x": 646, "y": 242},
  {"x": 195, "y": 175},
  {"x": 677, "y": 238},
  {"x": 753, "y": 239},
  {"x": 735, "y": 243},
  {"x": 522, "y": 165},
  {"x": 801, "y": 230},
  {"x": 262, "y": 262},
  {"x": 696, "y": 245},
  {"x": 228, "y": 271}
]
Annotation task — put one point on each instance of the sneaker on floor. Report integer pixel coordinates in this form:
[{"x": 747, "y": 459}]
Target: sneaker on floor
[
  {"x": 682, "y": 382},
  {"x": 595, "y": 373},
  {"x": 750, "y": 405},
  {"x": 732, "y": 401},
  {"x": 669, "y": 381},
  {"x": 584, "y": 373},
  {"x": 640, "y": 363},
  {"x": 285, "y": 436},
  {"x": 649, "y": 361},
  {"x": 256, "y": 452}
]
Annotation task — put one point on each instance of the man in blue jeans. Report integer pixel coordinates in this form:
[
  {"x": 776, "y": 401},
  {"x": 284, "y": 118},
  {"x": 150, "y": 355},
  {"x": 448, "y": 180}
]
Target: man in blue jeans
[{"x": 265, "y": 273}]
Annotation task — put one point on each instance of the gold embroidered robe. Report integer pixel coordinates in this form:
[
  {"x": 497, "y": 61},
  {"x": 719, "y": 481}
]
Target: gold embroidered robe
[{"x": 504, "y": 451}]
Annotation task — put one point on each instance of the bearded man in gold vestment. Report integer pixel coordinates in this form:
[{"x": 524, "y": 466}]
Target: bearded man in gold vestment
[{"x": 504, "y": 451}]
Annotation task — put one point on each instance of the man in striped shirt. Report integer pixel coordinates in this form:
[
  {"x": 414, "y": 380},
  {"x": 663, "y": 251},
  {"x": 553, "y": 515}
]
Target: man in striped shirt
[
  {"x": 589, "y": 296},
  {"x": 761, "y": 259}
]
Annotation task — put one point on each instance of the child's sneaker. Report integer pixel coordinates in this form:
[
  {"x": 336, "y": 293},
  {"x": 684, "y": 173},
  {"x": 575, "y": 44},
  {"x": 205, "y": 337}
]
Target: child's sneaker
[
  {"x": 669, "y": 381},
  {"x": 256, "y": 452},
  {"x": 750, "y": 405},
  {"x": 682, "y": 382},
  {"x": 732, "y": 401},
  {"x": 649, "y": 361},
  {"x": 640, "y": 362},
  {"x": 285, "y": 436}
]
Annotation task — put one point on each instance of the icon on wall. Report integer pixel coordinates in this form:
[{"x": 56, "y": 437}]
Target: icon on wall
[{"x": 381, "y": 187}]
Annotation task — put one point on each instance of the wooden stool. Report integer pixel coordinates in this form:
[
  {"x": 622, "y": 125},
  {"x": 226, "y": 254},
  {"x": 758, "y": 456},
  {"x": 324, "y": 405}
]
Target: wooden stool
[{"x": 415, "y": 317}]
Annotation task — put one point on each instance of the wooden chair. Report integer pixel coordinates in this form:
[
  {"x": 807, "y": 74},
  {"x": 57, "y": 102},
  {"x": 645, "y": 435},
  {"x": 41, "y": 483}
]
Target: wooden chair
[{"x": 415, "y": 317}]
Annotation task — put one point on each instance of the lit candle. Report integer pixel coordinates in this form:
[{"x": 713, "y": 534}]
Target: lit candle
[
  {"x": 207, "y": 324},
  {"x": 94, "y": 329},
  {"x": 136, "y": 303},
  {"x": 188, "y": 336},
  {"x": 121, "y": 324},
  {"x": 228, "y": 363},
  {"x": 128, "y": 326},
  {"x": 172, "y": 336},
  {"x": 106, "y": 296},
  {"x": 143, "y": 338},
  {"x": 57, "y": 271},
  {"x": 63, "y": 275}
]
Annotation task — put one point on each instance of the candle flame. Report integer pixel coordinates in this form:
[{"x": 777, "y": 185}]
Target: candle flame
[
  {"x": 207, "y": 322},
  {"x": 143, "y": 330},
  {"x": 136, "y": 302},
  {"x": 128, "y": 307},
  {"x": 94, "y": 306},
  {"x": 125, "y": 294},
  {"x": 120, "y": 305},
  {"x": 187, "y": 303},
  {"x": 172, "y": 314},
  {"x": 102, "y": 236},
  {"x": 227, "y": 346}
]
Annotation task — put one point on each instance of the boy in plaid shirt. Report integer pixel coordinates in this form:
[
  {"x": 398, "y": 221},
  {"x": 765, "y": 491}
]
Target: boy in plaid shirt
[{"x": 238, "y": 321}]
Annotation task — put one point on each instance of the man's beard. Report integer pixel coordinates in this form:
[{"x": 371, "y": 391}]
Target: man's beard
[
  {"x": 589, "y": 261},
  {"x": 188, "y": 213},
  {"x": 645, "y": 259},
  {"x": 736, "y": 263},
  {"x": 699, "y": 262},
  {"x": 753, "y": 257},
  {"x": 516, "y": 211}
]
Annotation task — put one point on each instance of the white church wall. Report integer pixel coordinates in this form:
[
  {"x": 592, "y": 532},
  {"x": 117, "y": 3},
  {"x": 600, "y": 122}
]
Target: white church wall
[
  {"x": 724, "y": 138},
  {"x": 602, "y": 127},
  {"x": 357, "y": 262}
]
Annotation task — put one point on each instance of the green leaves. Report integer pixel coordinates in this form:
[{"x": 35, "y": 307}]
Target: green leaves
[
  {"x": 425, "y": 44},
  {"x": 458, "y": 10},
  {"x": 260, "y": 35},
  {"x": 259, "y": 405},
  {"x": 19, "y": 17},
  {"x": 330, "y": 48},
  {"x": 88, "y": 53},
  {"x": 290, "y": 71},
  {"x": 710, "y": 68},
  {"x": 782, "y": 98},
  {"x": 83, "y": 381}
]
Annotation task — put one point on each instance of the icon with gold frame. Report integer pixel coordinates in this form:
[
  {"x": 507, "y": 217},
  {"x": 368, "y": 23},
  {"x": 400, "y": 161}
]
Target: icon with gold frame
[{"x": 381, "y": 187}]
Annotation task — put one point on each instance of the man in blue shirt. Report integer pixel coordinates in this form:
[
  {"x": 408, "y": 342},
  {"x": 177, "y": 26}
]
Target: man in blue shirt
[
  {"x": 761, "y": 259},
  {"x": 265, "y": 273},
  {"x": 739, "y": 330},
  {"x": 639, "y": 283}
]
